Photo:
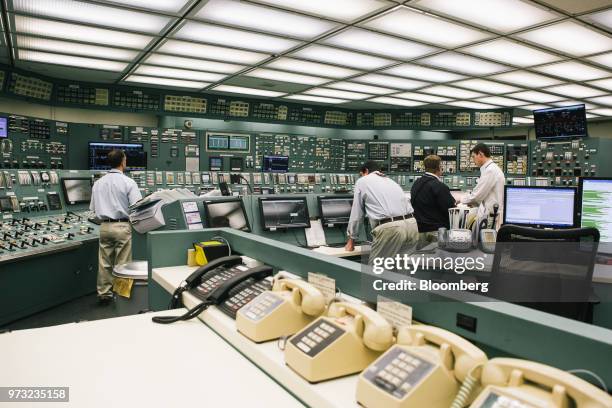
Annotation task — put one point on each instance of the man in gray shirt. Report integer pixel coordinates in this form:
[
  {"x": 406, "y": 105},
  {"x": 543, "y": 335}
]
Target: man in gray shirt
[
  {"x": 394, "y": 228},
  {"x": 110, "y": 199}
]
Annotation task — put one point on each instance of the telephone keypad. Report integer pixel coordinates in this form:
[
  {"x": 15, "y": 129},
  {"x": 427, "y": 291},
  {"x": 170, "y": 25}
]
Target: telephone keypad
[
  {"x": 261, "y": 306},
  {"x": 398, "y": 371},
  {"x": 317, "y": 337},
  {"x": 501, "y": 401},
  {"x": 243, "y": 294}
]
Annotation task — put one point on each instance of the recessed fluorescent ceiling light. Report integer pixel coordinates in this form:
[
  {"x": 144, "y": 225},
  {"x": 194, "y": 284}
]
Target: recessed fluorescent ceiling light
[
  {"x": 211, "y": 51},
  {"x": 511, "y": 52},
  {"x": 605, "y": 100},
  {"x": 570, "y": 103},
  {"x": 178, "y": 73},
  {"x": 65, "y": 47},
  {"x": 94, "y": 14},
  {"x": 575, "y": 91},
  {"x": 170, "y": 6},
  {"x": 313, "y": 68},
  {"x": 81, "y": 62},
  {"x": 192, "y": 63},
  {"x": 335, "y": 93},
  {"x": 320, "y": 99},
  {"x": 246, "y": 91},
  {"x": 603, "y": 59},
  {"x": 483, "y": 85},
  {"x": 341, "y": 57},
  {"x": 603, "y": 18},
  {"x": 343, "y": 10},
  {"x": 534, "y": 107},
  {"x": 472, "y": 105},
  {"x": 535, "y": 96},
  {"x": 527, "y": 79},
  {"x": 501, "y": 101},
  {"x": 363, "y": 40},
  {"x": 500, "y": 15},
  {"x": 462, "y": 63},
  {"x": 395, "y": 101},
  {"x": 166, "y": 82},
  {"x": 263, "y": 18},
  {"x": 55, "y": 29},
  {"x": 421, "y": 97},
  {"x": 573, "y": 70},
  {"x": 286, "y": 77},
  {"x": 569, "y": 37},
  {"x": 602, "y": 112},
  {"x": 522, "y": 120},
  {"x": 451, "y": 92},
  {"x": 234, "y": 38},
  {"x": 603, "y": 83},
  {"x": 386, "y": 80},
  {"x": 420, "y": 26},
  {"x": 427, "y": 74},
  {"x": 352, "y": 86}
]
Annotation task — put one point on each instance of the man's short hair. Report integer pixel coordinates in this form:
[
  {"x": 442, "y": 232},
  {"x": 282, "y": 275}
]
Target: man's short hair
[
  {"x": 432, "y": 163},
  {"x": 115, "y": 158},
  {"x": 481, "y": 148},
  {"x": 371, "y": 166}
]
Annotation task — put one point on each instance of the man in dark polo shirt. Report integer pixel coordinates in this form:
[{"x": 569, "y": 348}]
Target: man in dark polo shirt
[{"x": 431, "y": 199}]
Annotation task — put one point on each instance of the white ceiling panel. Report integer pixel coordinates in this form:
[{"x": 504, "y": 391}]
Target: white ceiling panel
[
  {"x": 569, "y": 37},
  {"x": 527, "y": 79},
  {"x": 193, "y": 63},
  {"x": 452, "y": 92},
  {"x": 462, "y": 63},
  {"x": 214, "y": 52},
  {"x": 353, "y": 86},
  {"x": 174, "y": 83},
  {"x": 168, "y": 6},
  {"x": 423, "y": 73},
  {"x": 151, "y": 70},
  {"x": 247, "y": 91},
  {"x": 415, "y": 96},
  {"x": 318, "y": 99},
  {"x": 485, "y": 86},
  {"x": 511, "y": 52},
  {"x": 321, "y": 53},
  {"x": 67, "y": 47},
  {"x": 312, "y": 68},
  {"x": 396, "y": 101},
  {"x": 81, "y": 62},
  {"x": 336, "y": 93},
  {"x": 286, "y": 76},
  {"x": 342, "y": 10},
  {"x": 573, "y": 70},
  {"x": 387, "y": 80},
  {"x": 575, "y": 91}
]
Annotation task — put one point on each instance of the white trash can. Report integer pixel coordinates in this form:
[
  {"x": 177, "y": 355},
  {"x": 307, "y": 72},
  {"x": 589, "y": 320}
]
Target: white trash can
[{"x": 139, "y": 297}]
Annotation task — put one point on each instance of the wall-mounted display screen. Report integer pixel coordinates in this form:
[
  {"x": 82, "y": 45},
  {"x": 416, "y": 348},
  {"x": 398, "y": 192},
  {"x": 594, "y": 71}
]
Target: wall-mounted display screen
[
  {"x": 136, "y": 157},
  {"x": 217, "y": 142},
  {"x": 567, "y": 121},
  {"x": 3, "y": 128},
  {"x": 215, "y": 163},
  {"x": 227, "y": 142},
  {"x": 275, "y": 164}
]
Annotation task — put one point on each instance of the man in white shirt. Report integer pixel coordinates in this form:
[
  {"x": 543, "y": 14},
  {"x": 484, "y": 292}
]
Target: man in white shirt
[
  {"x": 110, "y": 199},
  {"x": 490, "y": 187},
  {"x": 394, "y": 227}
]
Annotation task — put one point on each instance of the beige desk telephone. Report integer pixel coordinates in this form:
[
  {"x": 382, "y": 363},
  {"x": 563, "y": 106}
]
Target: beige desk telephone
[
  {"x": 282, "y": 311},
  {"x": 343, "y": 342},
  {"x": 510, "y": 382},
  {"x": 424, "y": 369}
]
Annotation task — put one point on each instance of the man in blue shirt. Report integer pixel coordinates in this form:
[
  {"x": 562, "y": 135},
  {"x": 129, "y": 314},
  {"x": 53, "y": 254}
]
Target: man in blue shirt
[{"x": 110, "y": 199}]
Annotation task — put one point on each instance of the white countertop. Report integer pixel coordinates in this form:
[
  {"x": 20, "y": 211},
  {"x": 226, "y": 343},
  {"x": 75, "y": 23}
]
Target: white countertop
[
  {"x": 339, "y": 252},
  {"x": 338, "y": 393},
  {"x": 132, "y": 362}
]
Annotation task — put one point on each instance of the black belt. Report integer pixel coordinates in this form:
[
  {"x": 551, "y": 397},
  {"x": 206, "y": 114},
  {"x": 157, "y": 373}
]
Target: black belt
[
  {"x": 391, "y": 219},
  {"x": 119, "y": 220}
]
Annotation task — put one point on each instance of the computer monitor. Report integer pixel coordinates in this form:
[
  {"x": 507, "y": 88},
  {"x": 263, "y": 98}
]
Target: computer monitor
[
  {"x": 540, "y": 207},
  {"x": 77, "y": 190},
  {"x": 596, "y": 207},
  {"x": 135, "y": 155},
  {"x": 284, "y": 213},
  {"x": 227, "y": 213},
  {"x": 215, "y": 163},
  {"x": 3, "y": 128},
  {"x": 275, "y": 164},
  {"x": 335, "y": 211},
  {"x": 566, "y": 121}
]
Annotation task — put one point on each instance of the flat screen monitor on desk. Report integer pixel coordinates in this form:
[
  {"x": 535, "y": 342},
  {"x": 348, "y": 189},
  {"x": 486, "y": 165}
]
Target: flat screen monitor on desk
[
  {"x": 76, "y": 190},
  {"x": 284, "y": 213},
  {"x": 596, "y": 208},
  {"x": 540, "y": 207},
  {"x": 227, "y": 213},
  {"x": 335, "y": 211}
]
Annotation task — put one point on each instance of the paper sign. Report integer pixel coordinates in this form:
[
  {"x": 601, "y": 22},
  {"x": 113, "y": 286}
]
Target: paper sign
[
  {"x": 326, "y": 285},
  {"x": 396, "y": 313}
]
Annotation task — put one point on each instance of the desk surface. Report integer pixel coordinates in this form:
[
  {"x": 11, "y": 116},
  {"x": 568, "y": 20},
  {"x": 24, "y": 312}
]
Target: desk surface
[
  {"x": 131, "y": 361},
  {"x": 338, "y": 393},
  {"x": 340, "y": 252}
]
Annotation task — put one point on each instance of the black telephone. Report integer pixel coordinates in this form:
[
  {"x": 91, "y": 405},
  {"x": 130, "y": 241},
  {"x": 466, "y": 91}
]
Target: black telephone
[{"x": 225, "y": 282}]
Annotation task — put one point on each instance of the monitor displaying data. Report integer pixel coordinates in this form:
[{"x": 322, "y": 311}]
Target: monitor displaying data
[
  {"x": 283, "y": 213},
  {"x": 596, "y": 206},
  {"x": 335, "y": 210},
  {"x": 226, "y": 213},
  {"x": 275, "y": 164},
  {"x": 135, "y": 155},
  {"x": 567, "y": 121},
  {"x": 3, "y": 128},
  {"x": 543, "y": 207},
  {"x": 76, "y": 190}
]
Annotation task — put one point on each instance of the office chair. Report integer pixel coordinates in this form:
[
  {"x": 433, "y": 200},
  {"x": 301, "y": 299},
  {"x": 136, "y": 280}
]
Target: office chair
[{"x": 548, "y": 270}]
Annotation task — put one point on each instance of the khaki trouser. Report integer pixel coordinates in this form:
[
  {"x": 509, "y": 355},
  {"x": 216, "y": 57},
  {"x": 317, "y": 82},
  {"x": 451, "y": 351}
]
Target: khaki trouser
[
  {"x": 115, "y": 249},
  {"x": 394, "y": 238},
  {"x": 426, "y": 238}
]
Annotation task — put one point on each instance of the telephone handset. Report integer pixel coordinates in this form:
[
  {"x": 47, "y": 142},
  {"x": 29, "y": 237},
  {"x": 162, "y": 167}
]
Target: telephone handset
[
  {"x": 343, "y": 342},
  {"x": 424, "y": 369},
  {"x": 225, "y": 282},
  {"x": 526, "y": 384},
  {"x": 287, "y": 308}
]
